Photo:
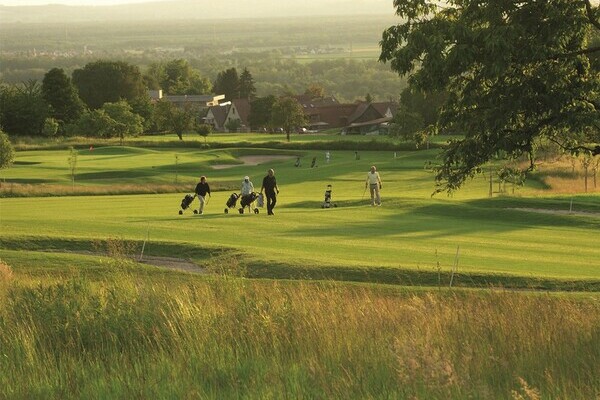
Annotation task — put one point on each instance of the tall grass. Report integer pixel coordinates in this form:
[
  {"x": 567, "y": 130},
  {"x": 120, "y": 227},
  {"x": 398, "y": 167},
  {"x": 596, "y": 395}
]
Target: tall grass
[{"x": 134, "y": 337}]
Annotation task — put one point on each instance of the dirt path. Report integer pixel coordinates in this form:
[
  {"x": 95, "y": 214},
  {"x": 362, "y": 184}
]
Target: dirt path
[
  {"x": 252, "y": 160},
  {"x": 172, "y": 263}
]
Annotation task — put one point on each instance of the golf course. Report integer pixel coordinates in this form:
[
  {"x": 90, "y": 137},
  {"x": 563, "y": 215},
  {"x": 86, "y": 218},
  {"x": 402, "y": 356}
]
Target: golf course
[{"x": 107, "y": 290}]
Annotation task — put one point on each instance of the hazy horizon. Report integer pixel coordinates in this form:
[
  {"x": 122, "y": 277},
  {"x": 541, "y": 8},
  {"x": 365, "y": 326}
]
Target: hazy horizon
[
  {"x": 65, "y": 11},
  {"x": 71, "y": 2}
]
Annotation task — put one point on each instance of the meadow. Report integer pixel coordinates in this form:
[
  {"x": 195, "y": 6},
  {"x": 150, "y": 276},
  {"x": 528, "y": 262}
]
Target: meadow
[{"x": 347, "y": 302}]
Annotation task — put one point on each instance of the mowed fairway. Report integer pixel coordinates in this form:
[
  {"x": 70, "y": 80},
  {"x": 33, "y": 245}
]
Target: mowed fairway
[{"x": 411, "y": 233}]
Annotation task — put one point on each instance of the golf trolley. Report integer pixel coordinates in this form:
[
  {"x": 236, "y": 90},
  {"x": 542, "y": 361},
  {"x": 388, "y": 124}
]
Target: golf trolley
[
  {"x": 186, "y": 202},
  {"x": 231, "y": 202},
  {"x": 248, "y": 200},
  {"x": 327, "y": 202}
]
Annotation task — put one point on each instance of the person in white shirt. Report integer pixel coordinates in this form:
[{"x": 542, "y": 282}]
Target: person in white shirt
[
  {"x": 247, "y": 186},
  {"x": 374, "y": 184}
]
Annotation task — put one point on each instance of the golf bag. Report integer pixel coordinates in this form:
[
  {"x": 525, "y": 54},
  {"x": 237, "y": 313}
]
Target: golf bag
[
  {"x": 186, "y": 202},
  {"x": 260, "y": 200},
  {"x": 327, "y": 202},
  {"x": 248, "y": 201},
  {"x": 231, "y": 202}
]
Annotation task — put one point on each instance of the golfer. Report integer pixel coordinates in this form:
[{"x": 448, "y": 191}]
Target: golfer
[
  {"x": 202, "y": 189},
  {"x": 374, "y": 184},
  {"x": 247, "y": 187},
  {"x": 269, "y": 185}
]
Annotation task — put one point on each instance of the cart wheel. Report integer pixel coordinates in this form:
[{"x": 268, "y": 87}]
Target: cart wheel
[
  {"x": 226, "y": 211},
  {"x": 180, "y": 212},
  {"x": 256, "y": 211}
]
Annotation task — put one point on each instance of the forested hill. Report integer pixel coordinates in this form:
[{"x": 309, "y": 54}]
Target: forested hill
[{"x": 192, "y": 9}]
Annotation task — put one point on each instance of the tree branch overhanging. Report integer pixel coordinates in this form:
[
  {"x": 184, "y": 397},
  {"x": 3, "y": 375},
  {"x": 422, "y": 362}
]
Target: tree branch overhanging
[
  {"x": 590, "y": 13},
  {"x": 575, "y": 53}
]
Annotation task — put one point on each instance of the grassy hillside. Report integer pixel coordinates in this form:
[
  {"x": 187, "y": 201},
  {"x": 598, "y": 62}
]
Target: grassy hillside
[
  {"x": 368, "y": 313},
  {"x": 411, "y": 239}
]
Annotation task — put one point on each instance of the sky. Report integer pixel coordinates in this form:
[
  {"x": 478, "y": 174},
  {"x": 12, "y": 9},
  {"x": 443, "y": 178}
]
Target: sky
[{"x": 68, "y": 2}]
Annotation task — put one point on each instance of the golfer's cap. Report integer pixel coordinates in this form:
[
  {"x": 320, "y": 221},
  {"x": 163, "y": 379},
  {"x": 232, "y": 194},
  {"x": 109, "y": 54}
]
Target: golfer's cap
[{"x": 246, "y": 178}]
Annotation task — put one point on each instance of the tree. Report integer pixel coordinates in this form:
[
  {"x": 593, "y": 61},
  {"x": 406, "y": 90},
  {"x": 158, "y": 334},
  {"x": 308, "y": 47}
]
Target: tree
[
  {"x": 426, "y": 105},
  {"x": 406, "y": 123},
  {"x": 23, "y": 110},
  {"x": 95, "y": 123},
  {"x": 288, "y": 114},
  {"x": 72, "y": 160},
  {"x": 176, "y": 77},
  {"x": 233, "y": 125},
  {"x": 172, "y": 118},
  {"x": 203, "y": 130},
  {"x": 517, "y": 74},
  {"x": 315, "y": 91},
  {"x": 7, "y": 152},
  {"x": 227, "y": 83},
  {"x": 61, "y": 95},
  {"x": 108, "y": 82},
  {"x": 260, "y": 112},
  {"x": 126, "y": 122},
  {"x": 247, "y": 89},
  {"x": 143, "y": 107},
  {"x": 50, "y": 127}
]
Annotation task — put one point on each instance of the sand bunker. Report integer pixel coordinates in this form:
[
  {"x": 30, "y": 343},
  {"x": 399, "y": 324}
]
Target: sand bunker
[{"x": 252, "y": 160}]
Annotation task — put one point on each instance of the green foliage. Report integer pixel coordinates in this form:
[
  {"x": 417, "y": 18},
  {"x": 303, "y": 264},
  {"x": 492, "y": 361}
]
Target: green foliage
[
  {"x": 228, "y": 83},
  {"x": 426, "y": 105},
  {"x": 516, "y": 74},
  {"x": 247, "y": 88},
  {"x": 143, "y": 107},
  {"x": 61, "y": 95},
  {"x": 172, "y": 118},
  {"x": 95, "y": 123},
  {"x": 126, "y": 123},
  {"x": 233, "y": 125},
  {"x": 315, "y": 90},
  {"x": 204, "y": 130},
  {"x": 111, "y": 120},
  {"x": 50, "y": 127},
  {"x": 260, "y": 112},
  {"x": 288, "y": 114},
  {"x": 176, "y": 77},
  {"x": 102, "y": 82},
  {"x": 7, "y": 152},
  {"x": 23, "y": 109},
  {"x": 405, "y": 124}
]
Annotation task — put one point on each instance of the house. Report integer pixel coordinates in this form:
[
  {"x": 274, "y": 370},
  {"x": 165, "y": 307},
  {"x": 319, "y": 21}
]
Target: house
[
  {"x": 238, "y": 111},
  {"x": 216, "y": 117},
  {"x": 201, "y": 100},
  {"x": 307, "y": 101},
  {"x": 328, "y": 116},
  {"x": 370, "y": 117},
  {"x": 358, "y": 118}
]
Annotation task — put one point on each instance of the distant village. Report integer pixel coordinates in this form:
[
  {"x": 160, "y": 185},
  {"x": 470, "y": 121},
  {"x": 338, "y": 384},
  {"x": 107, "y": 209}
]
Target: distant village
[{"x": 322, "y": 113}]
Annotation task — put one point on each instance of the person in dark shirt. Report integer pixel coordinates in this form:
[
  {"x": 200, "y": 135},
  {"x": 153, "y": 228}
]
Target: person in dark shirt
[
  {"x": 202, "y": 189},
  {"x": 269, "y": 186}
]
